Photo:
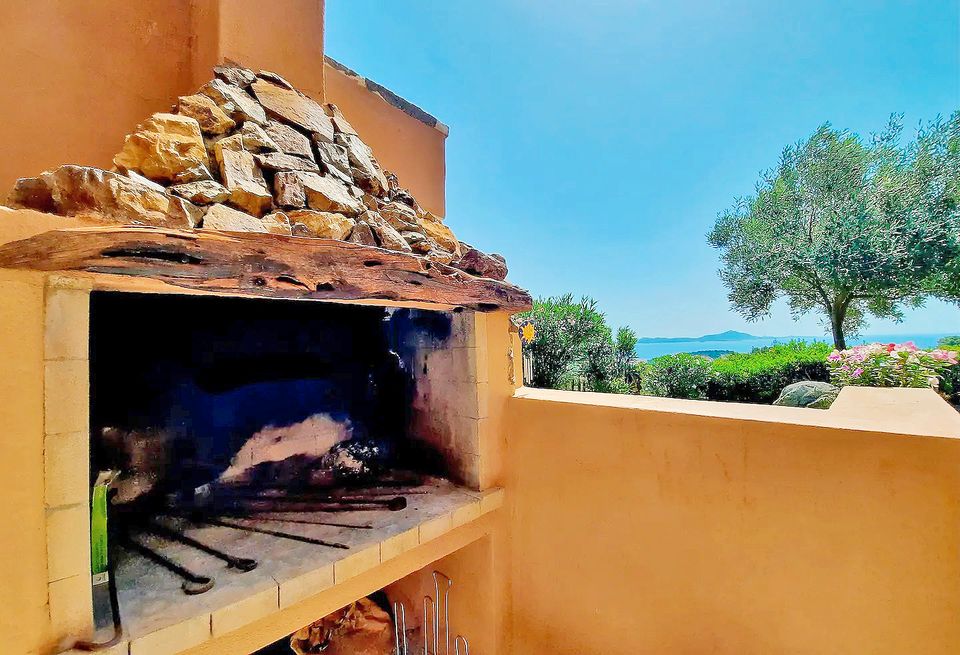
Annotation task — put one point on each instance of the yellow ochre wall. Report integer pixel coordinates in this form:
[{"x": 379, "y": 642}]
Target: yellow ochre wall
[
  {"x": 413, "y": 150},
  {"x": 654, "y": 527}
]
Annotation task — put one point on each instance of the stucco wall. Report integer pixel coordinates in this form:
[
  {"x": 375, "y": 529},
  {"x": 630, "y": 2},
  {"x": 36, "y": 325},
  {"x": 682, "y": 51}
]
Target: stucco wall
[
  {"x": 79, "y": 75},
  {"x": 403, "y": 144},
  {"x": 660, "y": 528}
]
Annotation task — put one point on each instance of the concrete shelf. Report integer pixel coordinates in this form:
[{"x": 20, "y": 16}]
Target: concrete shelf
[{"x": 159, "y": 619}]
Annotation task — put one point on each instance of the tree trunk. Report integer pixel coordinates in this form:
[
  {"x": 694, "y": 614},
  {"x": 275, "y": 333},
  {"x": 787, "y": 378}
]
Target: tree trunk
[{"x": 837, "y": 314}]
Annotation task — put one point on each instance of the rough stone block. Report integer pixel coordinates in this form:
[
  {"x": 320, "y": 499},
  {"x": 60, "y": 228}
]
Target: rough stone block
[
  {"x": 66, "y": 324},
  {"x": 174, "y": 638},
  {"x": 68, "y": 542},
  {"x": 356, "y": 564},
  {"x": 434, "y": 528},
  {"x": 304, "y": 586},
  {"x": 66, "y": 396},
  {"x": 66, "y": 469},
  {"x": 236, "y": 615},
  {"x": 399, "y": 544},
  {"x": 71, "y": 609}
]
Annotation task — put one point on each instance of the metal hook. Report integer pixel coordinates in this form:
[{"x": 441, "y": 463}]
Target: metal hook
[
  {"x": 400, "y": 628},
  {"x": 446, "y": 613},
  {"x": 428, "y": 614},
  {"x": 456, "y": 645}
]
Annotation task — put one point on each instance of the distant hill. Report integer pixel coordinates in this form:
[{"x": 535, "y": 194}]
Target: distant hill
[{"x": 729, "y": 335}]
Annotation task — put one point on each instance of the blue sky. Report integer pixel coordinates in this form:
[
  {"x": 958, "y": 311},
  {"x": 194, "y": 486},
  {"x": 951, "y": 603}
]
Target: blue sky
[{"x": 593, "y": 143}]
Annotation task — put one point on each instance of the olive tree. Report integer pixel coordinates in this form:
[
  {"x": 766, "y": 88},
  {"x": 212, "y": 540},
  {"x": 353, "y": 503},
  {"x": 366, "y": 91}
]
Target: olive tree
[{"x": 848, "y": 228}]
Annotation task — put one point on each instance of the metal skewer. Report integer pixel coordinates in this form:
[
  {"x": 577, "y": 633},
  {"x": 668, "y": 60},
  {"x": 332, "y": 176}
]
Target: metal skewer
[
  {"x": 193, "y": 583},
  {"x": 239, "y": 563},
  {"x": 399, "y": 628},
  {"x": 275, "y": 533}
]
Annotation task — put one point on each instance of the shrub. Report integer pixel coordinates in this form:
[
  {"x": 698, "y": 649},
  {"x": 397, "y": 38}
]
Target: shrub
[
  {"x": 889, "y": 365},
  {"x": 950, "y": 385},
  {"x": 676, "y": 376},
  {"x": 948, "y": 342},
  {"x": 760, "y": 376}
]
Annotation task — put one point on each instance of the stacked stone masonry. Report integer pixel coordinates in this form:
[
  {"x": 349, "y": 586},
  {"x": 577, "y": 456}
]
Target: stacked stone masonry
[{"x": 250, "y": 153}]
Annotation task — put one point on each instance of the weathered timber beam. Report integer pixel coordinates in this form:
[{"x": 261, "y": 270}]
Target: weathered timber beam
[{"x": 263, "y": 265}]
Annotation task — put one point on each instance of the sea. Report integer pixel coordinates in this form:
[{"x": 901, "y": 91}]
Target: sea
[{"x": 715, "y": 348}]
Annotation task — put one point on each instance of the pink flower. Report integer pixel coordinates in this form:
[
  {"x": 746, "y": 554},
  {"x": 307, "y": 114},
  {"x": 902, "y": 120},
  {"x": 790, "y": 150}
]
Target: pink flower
[
  {"x": 857, "y": 373},
  {"x": 834, "y": 356},
  {"x": 891, "y": 347}
]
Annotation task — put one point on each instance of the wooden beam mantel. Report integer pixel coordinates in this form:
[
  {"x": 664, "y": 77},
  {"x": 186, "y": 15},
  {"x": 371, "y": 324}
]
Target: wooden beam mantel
[{"x": 261, "y": 265}]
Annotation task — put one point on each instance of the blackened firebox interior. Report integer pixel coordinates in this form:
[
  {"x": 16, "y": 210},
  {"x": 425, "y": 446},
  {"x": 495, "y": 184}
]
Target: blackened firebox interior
[{"x": 190, "y": 393}]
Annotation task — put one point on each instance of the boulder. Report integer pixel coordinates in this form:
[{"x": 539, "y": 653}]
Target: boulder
[
  {"x": 235, "y": 75},
  {"x": 809, "y": 393},
  {"x": 418, "y": 242},
  {"x": 276, "y": 78},
  {"x": 363, "y": 167},
  {"x": 292, "y": 107},
  {"x": 203, "y": 192},
  {"x": 244, "y": 180},
  {"x": 400, "y": 216},
  {"x": 387, "y": 236},
  {"x": 333, "y": 156},
  {"x": 340, "y": 123},
  {"x": 233, "y": 100},
  {"x": 255, "y": 139},
  {"x": 94, "y": 193},
  {"x": 323, "y": 225},
  {"x": 477, "y": 262},
  {"x": 362, "y": 234},
  {"x": 288, "y": 190},
  {"x": 327, "y": 194},
  {"x": 139, "y": 179},
  {"x": 277, "y": 223},
  {"x": 223, "y": 218},
  {"x": 289, "y": 140},
  {"x": 165, "y": 148},
  {"x": 211, "y": 118},
  {"x": 443, "y": 235},
  {"x": 280, "y": 161}
]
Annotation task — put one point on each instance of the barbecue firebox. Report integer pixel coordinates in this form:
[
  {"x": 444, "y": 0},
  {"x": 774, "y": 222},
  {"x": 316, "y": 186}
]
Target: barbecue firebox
[{"x": 237, "y": 432}]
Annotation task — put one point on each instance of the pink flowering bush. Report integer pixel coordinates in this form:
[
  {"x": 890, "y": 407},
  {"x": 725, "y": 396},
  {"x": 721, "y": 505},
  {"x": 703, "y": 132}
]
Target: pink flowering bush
[{"x": 889, "y": 365}]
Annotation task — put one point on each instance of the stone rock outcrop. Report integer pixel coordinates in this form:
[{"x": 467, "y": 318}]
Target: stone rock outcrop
[
  {"x": 166, "y": 148},
  {"x": 209, "y": 116},
  {"x": 236, "y": 102},
  {"x": 226, "y": 219},
  {"x": 289, "y": 140},
  {"x": 327, "y": 194},
  {"x": 204, "y": 192},
  {"x": 102, "y": 195},
  {"x": 323, "y": 225},
  {"x": 248, "y": 152},
  {"x": 477, "y": 262},
  {"x": 294, "y": 108},
  {"x": 808, "y": 393},
  {"x": 245, "y": 182}
]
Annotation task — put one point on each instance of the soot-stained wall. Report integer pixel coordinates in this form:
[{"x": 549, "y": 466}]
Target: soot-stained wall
[{"x": 205, "y": 374}]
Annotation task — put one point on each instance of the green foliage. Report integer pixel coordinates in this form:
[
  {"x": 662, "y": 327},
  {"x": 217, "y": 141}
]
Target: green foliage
[
  {"x": 848, "y": 228},
  {"x": 756, "y": 377},
  {"x": 624, "y": 351},
  {"x": 676, "y": 376},
  {"x": 760, "y": 376},
  {"x": 948, "y": 342},
  {"x": 573, "y": 342}
]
